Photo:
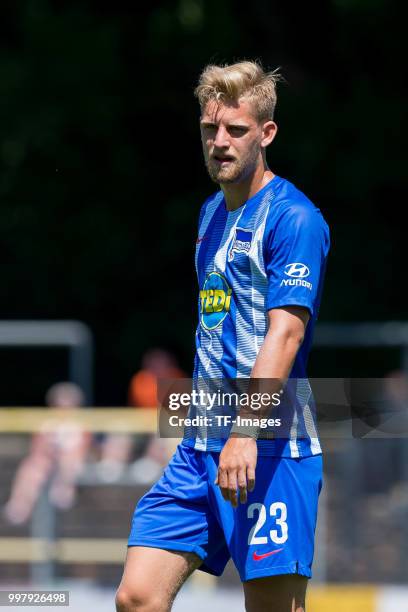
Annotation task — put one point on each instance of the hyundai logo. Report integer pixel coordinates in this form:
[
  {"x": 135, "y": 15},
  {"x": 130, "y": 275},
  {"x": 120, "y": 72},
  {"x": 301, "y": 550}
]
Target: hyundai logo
[{"x": 297, "y": 270}]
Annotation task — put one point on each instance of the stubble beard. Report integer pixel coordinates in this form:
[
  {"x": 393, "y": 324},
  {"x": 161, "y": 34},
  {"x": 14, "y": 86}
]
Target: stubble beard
[{"x": 236, "y": 171}]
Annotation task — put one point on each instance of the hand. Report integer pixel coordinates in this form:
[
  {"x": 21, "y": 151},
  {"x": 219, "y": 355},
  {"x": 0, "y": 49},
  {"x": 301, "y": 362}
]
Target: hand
[{"x": 236, "y": 469}]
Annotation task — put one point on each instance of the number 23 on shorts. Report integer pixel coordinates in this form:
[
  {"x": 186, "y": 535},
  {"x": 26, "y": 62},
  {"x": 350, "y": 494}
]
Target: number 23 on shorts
[{"x": 277, "y": 510}]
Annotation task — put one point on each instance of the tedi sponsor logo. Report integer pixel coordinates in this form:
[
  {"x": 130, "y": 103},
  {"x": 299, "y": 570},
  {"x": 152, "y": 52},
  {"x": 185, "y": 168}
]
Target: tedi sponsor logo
[
  {"x": 215, "y": 300},
  {"x": 297, "y": 273}
]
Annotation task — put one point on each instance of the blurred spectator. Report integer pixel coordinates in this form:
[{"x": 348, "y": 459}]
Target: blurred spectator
[
  {"x": 56, "y": 457},
  {"x": 117, "y": 449},
  {"x": 156, "y": 363}
]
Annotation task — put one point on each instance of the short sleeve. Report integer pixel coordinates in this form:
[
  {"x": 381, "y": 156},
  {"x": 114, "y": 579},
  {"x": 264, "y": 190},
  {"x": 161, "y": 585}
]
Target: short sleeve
[{"x": 295, "y": 249}]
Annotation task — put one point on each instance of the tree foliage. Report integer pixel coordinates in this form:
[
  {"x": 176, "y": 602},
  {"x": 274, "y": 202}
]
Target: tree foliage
[{"x": 101, "y": 171}]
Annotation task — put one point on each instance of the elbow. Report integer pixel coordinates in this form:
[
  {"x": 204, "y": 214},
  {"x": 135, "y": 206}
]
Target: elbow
[
  {"x": 296, "y": 338},
  {"x": 288, "y": 325},
  {"x": 289, "y": 336}
]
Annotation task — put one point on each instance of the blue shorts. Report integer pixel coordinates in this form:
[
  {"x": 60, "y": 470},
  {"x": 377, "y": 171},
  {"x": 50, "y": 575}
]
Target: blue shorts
[{"x": 273, "y": 533}]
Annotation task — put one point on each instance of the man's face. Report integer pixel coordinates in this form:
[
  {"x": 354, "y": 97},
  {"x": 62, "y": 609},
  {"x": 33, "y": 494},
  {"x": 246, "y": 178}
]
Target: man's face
[{"x": 232, "y": 141}]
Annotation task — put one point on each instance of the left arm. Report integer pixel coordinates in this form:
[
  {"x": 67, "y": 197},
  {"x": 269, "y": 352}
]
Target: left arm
[{"x": 275, "y": 359}]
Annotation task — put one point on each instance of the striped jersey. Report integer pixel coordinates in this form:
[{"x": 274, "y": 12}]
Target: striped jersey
[{"x": 268, "y": 253}]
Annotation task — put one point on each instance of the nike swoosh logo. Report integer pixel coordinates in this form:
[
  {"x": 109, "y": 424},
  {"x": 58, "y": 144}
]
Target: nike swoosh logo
[{"x": 257, "y": 557}]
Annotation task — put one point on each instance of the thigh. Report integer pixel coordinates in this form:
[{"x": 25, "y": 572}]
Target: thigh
[
  {"x": 175, "y": 514},
  {"x": 152, "y": 577},
  {"x": 286, "y": 593}
]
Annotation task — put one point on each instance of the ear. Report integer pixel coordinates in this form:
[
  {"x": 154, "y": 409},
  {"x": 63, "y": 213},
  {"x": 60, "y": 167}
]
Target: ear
[{"x": 269, "y": 131}]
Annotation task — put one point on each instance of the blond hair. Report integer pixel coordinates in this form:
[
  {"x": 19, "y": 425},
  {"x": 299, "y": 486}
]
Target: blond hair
[{"x": 230, "y": 83}]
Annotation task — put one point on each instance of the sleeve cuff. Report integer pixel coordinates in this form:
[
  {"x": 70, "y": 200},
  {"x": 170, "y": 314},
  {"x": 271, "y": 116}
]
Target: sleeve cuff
[{"x": 289, "y": 302}]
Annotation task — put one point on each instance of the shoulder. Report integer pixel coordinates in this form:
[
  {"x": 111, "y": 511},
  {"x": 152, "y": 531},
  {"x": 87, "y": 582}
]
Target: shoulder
[
  {"x": 210, "y": 205},
  {"x": 291, "y": 209}
]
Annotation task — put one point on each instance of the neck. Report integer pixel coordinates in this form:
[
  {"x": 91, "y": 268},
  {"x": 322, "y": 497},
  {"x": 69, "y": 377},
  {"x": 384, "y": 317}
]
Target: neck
[{"x": 236, "y": 194}]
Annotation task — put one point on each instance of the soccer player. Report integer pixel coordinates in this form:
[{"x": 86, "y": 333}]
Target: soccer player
[{"x": 260, "y": 258}]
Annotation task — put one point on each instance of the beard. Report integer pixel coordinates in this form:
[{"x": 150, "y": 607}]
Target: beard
[{"x": 236, "y": 170}]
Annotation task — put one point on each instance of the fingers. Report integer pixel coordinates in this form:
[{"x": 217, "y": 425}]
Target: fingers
[
  {"x": 236, "y": 470},
  {"x": 251, "y": 478},
  {"x": 232, "y": 488},
  {"x": 242, "y": 486},
  {"x": 222, "y": 481},
  {"x": 227, "y": 481},
  {"x": 233, "y": 484}
]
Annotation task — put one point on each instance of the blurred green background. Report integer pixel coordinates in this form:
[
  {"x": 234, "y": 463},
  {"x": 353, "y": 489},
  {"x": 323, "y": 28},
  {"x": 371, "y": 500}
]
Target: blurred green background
[{"x": 102, "y": 175}]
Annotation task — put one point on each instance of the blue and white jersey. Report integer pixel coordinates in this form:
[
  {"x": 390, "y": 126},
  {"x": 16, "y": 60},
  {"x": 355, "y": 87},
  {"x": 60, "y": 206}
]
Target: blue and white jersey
[{"x": 269, "y": 253}]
